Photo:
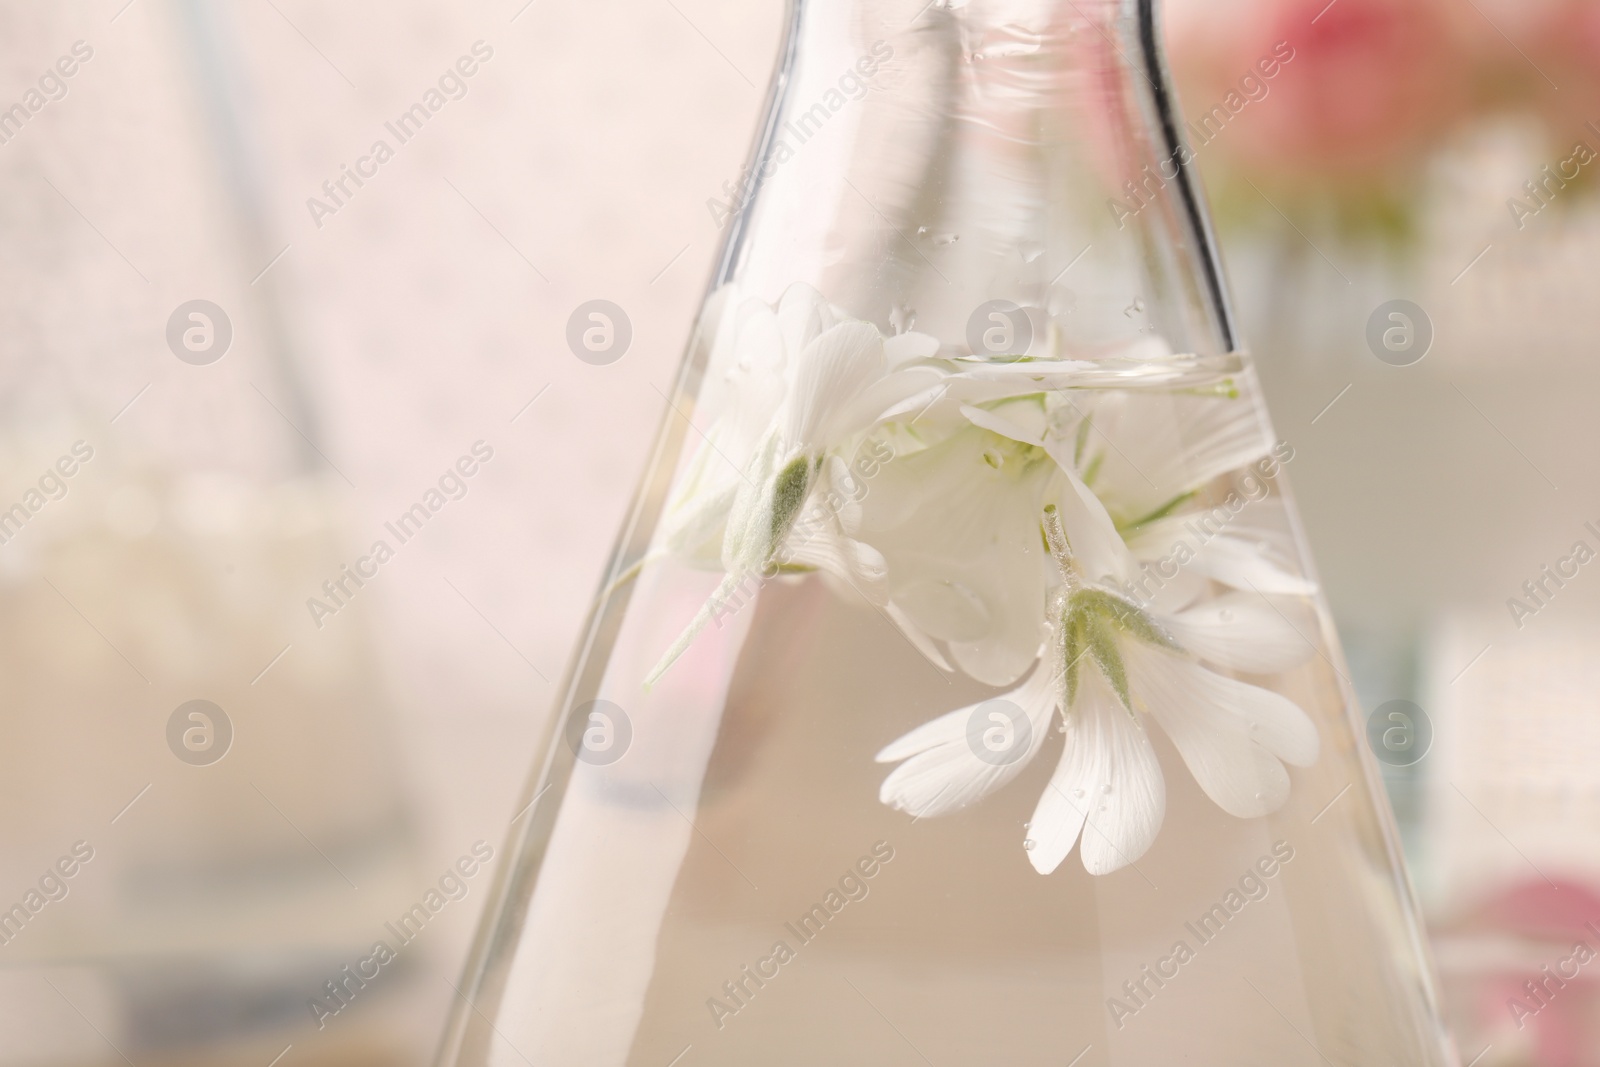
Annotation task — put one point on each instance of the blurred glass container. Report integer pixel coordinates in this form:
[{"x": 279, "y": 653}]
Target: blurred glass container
[
  {"x": 1512, "y": 842},
  {"x": 166, "y": 514},
  {"x": 933, "y": 334},
  {"x": 1436, "y": 595}
]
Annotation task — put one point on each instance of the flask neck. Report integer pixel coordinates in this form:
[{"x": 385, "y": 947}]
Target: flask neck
[{"x": 931, "y": 157}]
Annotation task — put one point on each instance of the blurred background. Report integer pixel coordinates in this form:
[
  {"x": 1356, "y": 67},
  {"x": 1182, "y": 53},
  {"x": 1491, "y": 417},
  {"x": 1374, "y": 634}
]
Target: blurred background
[{"x": 242, "y": 743}]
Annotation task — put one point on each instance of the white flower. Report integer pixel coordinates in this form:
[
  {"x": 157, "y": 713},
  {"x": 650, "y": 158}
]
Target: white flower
[
  {"x": 957, "y": 523},
  {"x": 1149, "y": 457},
  {"x": 1112, "y": 667},
  {"x": 806, "y": 383},
  {"x": 1122, "y": 454},
  {"x": 1143, "y": 460}
]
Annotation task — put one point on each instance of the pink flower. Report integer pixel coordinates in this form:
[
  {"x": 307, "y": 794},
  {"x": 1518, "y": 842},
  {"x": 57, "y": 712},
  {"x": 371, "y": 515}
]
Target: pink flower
[
  {"x": 1549, "y": 1005},
  {"x": 1563, "y": 49},
  {"x": 1361, "y": 86}
]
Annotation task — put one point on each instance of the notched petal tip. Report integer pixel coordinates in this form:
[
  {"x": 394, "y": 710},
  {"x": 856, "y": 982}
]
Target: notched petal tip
[
  {"x": 948, "y": 765},
  {"x": 1107, "y": 796},
  {"x": 1234, "y": 737}
]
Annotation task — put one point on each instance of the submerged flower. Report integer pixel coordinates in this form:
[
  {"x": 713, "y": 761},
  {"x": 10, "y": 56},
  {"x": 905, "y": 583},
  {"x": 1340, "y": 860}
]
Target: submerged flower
[
  {"x": 957, "y": 525},
  {"x": 1110, "y": 668},
  {"x": 809, "y": 382},
  {"x": 1123, "y": 455},
  {"x": 1149, "y": 459}
]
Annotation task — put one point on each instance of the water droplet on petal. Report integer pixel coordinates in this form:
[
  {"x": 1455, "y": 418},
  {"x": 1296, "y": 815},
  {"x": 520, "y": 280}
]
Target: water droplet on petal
[
  {"x": 1077, "y": 794},
  {"x": 1106, "y": 788},
  {"x": 1028, "y": 844},
  {"x": 922, "y": 231},
  {"x": 1225, "y": 615}
]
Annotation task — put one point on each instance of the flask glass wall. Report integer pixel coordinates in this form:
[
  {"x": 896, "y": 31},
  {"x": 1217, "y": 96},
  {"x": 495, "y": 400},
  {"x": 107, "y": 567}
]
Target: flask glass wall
[{"x": 961, "y": 691}]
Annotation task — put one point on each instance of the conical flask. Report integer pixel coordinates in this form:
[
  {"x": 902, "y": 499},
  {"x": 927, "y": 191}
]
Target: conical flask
[{"x": 961, "y": 692}]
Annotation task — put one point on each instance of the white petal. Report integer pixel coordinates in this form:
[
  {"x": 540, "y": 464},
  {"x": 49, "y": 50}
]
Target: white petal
[
  {"x": 1095, "y": 542},
  {"x": 915, "y": 634},
  {"x": 1099, "y": 548},
  {"x": 924, "y": 403},
  {"x": 908, "y": 347},
  {"x": 1252, "y": 550},
  {"x": 857, "y": 564},
  {"x": 1021, "y": 419},
  {"x": 693, "y": 529},
  {"x": 747, "y": 375},
  {"x": 1243, "y": 564},
  {"x": 959, "y": 525},
  {"x": 839, "y": 494},
  {"x": 947, "y": 609},
  {"x": 1150, "y": 449},
  {"x": 1108, "y": 785},
  {"x": 833, "y": 370},
  {"x": 943, "y": 772},
  {"x": 1231, "y": 735},
  {"x": 803, "y": 315},
  {"x": 1001, "y": 654},
  {"x": 1167, "y": 596},
  {"x": 1002, "y": 423},
  {"x": 702, "y": 498},
  {"x": 1220, "y": 434},
  {"x": 1247, "y": 632},
  {"x": 903, "y": 392},
  {"x": 758, "y": 342}
]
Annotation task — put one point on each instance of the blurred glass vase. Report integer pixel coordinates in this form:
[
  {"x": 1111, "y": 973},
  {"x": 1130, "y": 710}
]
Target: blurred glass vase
[{"x": 961, "y": 692}]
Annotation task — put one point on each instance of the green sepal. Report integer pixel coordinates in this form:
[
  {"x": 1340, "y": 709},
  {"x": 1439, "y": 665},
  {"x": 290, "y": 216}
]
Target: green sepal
[
  {"x": 1093, "y": 621},
  {"x": 789, "y": 490}
]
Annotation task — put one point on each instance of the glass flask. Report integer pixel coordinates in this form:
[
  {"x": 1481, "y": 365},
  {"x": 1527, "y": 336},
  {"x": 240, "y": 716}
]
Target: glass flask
[{"x": 960, "y": 692}]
